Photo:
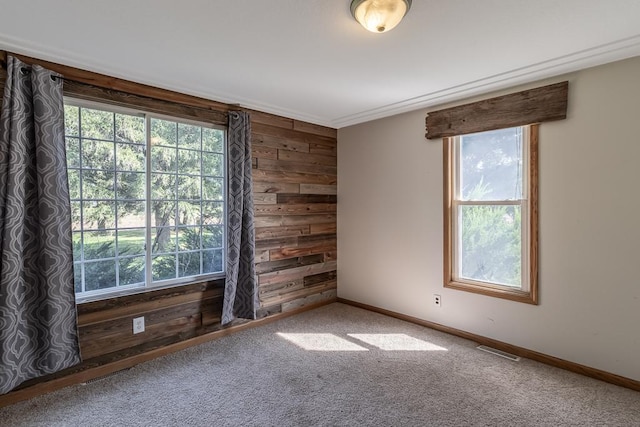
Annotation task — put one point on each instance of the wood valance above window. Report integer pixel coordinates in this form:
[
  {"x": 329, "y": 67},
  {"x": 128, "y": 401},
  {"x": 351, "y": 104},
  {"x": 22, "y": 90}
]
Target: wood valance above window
[{"x": 531, "y": 106}]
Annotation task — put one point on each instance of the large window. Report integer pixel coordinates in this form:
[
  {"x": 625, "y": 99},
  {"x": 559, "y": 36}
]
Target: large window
[
  {"x": 147, "y": 197},
  {"x": 491, "y": 215}
]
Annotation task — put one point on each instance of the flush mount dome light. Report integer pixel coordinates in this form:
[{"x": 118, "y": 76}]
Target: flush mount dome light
[{"x": 379, "y": 16}]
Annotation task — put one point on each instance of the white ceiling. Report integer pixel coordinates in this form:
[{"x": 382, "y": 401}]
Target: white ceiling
[{"x": 309, "y": 60}]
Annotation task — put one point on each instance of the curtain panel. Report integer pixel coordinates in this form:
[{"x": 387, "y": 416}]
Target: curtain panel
[
  {"x": 38, "y": 321},
  {"x": 240, "y": 293}
]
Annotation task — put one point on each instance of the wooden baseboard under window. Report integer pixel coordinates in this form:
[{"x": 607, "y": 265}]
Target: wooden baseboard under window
[{"x": 518, "y": 351}]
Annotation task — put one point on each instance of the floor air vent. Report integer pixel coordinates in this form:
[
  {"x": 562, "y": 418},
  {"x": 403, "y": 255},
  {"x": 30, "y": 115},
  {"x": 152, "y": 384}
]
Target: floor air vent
[
  {"x": 104, "y": 377},
  {"x": 500, "y": 353}
]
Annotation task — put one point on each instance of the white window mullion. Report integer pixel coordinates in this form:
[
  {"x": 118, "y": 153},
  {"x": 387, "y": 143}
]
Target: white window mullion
[{"x": 148, "y": 205}]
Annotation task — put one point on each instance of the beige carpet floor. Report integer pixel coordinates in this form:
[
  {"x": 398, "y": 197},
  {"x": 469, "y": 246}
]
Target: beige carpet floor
[{"x": 335, "y": 366}]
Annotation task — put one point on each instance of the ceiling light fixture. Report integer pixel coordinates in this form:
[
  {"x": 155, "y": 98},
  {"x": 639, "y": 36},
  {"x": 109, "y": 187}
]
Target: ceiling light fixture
[{"x": 379, "y": 16}]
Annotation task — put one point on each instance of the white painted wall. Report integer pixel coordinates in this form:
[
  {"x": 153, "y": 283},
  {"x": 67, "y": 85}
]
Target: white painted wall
[{"x": 390, "y": 227}]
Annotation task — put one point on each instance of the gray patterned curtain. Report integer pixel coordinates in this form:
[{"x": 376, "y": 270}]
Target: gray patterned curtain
[
  {"x": 241, "y": 292},
  {"x": 38, "y": 328}
]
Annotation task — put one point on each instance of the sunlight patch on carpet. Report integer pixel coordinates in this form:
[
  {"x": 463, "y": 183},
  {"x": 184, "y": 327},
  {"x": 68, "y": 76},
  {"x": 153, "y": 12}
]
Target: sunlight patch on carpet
[
  {"x": 321, "y": 342},
  {"x": 397, "y": 342}
]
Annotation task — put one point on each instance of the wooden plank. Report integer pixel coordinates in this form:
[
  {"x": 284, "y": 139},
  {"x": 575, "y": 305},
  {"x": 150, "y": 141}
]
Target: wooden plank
[
  {"x": 291, "y": 209},
  {"x": 294, "y": 178},
  {"x": 279, "y": 289},
  {"x": 156, "y": 294},
  {"x": 267, "y": 244},
  {"x": 264, "y": 198},
  {"x": 298, "y": 293},
  {"x": 292, "y": 135},
  {"x": 287, "y": 220},
  {"x": 307, "y": 188},
  {"x": 119, "y": 341},
  {"x": 270, "y": 119},
  {"x": 296, "y": 273},
  {"x": 329, "y": 276},
  {"x": 287, "y": 166},
  {"x": 144, "y": 307},
  {"x": 316, "y": 159},
  {"x": 285, "y": 264},
  {"x": 262, "y": 255},
  {"x": 306, "y": 198},
  {"x": 278, "y": 231},
  {"x": 330, "y": 227},
  {"x": 303, "y": 250},
  {"x": 315, "y": 129},
  {"x": 322, "y": 297},
  {"x": 323, "y": 149},
  {"x": 126, "y": 86},
  {"x": 274, "y": 187},
  {"x": 158, "y": 106},
  {"x": 278, "y": 143},
  {"x": 330, "y": 256},
  {"x": 531, "y": 106},
  {"x": 261, "y": 151}
]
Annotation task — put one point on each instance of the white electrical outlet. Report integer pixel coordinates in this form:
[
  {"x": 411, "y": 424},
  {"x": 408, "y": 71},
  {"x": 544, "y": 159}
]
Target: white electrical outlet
[
  {"x": 437, "y": 300},
  {"x": 138, "y": 325}
]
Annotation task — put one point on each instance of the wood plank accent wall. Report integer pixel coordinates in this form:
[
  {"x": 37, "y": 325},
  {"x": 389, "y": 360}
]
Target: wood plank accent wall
[{"x": 295, "y": 181}]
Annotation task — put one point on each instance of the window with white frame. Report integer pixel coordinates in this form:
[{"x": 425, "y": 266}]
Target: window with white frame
[
  {"x": 491, "y": 213},
  {"x": 147, "y": 197}
]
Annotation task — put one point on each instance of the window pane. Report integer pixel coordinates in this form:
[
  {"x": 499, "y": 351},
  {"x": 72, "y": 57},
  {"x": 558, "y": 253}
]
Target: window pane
[
  {"x": 71, "y": 120},
  {"x": 212, "y": 213},
  {"x": 97, "y": 154},
  {"x": 73, "y": 176},
  {"x": 163, "y": 159},
  {"x": 189, "y": 188},
  {"x": 130, "y": 185},
  {"x": 96, "y": 124},
  {"x": 189, "y": 238},
  {"x": 163, "y": 214},
  {"x": 76, "y": 225},
  {"x": 491, "y": 244},
  {"x": 189, "y": 162},
  {"x": 73, "y": 152},
  {"x": 189, "y": 213},
  {"x": 131, "y": 214},
  {"x": 98, "y": 215},
  {"x": 491, "y": 165},
  {"x": 77, "y": 277},
  {"x": 130, "y": 128},
  {"x": 212, "y": 140},
  {"x": 99, "y": 244},
  {"x": 189, "y": 136},
  {"x": 163, "y": 133},
  {"x": 163, "y": 239},
  {"x": 77, "y": 246},
  {"x": 212, "y": 164},
  {"x": 130, "y": 157},
  {"x": 131, "y": 242},
  {"x": 163, "y": 267},
  {"x": 212, "y": 261},
  {"x": 100, "y": 275},
  {"x": 131, "y": 271},
  {"x": 188, "y": 264},
  {"x": 97, "y": 184},
  {"x": 212, "y": 188},
  {"x": 212, "y": 237},
  {"x": 163, "y": 186}
]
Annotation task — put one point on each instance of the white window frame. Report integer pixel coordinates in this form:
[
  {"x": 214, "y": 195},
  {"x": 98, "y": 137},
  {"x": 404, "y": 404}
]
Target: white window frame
[
  {"x": 149, "y": 283},
  {"x": 527, "y": 292}
]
